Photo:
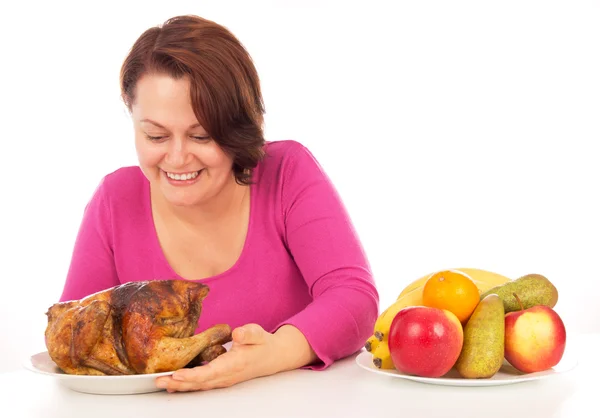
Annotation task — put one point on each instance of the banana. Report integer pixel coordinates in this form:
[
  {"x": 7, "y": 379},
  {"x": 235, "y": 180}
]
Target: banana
[
  {"x": 384, "y": 321},
  {"x": 484, "y": 280},
  {"x": 382, "y": 359},
  {"x": 371, "y": 343},
  {"x": 417, "y": 283},
  {"x": 485, "y": 276}
]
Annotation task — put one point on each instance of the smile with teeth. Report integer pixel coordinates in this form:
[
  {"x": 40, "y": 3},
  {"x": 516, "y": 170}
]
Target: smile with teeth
[{"x": 183, "y": 176}]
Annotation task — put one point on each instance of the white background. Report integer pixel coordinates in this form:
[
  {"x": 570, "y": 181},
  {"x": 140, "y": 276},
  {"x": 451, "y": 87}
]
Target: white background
[{"x": 458, "y": 133}]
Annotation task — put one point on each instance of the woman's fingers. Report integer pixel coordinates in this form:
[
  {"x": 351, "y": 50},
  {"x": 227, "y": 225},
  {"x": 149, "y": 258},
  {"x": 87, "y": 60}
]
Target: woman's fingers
[
  {"x": 245, "y": 360},
  {"x": 222, "y": 372},
  {"x": 249, "y": 334}
]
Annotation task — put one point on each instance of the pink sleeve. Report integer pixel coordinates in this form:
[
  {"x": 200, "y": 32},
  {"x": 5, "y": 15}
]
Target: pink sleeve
[
  {"x": 327, "y": 250},
  {"x": 92, "y": 265}
]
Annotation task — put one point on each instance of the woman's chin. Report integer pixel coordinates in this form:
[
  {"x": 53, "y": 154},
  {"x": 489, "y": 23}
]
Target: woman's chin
[
  {"x": 182, "y": 199},
  {"x": 182, "y": 203}
]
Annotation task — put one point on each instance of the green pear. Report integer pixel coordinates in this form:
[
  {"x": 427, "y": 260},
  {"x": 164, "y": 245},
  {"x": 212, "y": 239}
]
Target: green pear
[
  {"x": 482, "y": 353},
  {"x": 532, "y": 289}
]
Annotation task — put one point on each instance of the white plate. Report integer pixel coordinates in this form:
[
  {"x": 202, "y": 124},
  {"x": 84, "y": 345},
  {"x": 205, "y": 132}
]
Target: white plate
[
  {"x": 505, "y": 376},
  {"x": 102, "y": 385}
]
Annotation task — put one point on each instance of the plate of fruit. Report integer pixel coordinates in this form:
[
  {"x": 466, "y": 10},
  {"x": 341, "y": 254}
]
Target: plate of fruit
[{"x": 470, "y": 327}]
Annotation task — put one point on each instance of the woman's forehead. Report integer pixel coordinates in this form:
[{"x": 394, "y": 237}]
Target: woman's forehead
[{"x": 163, "y": 87}]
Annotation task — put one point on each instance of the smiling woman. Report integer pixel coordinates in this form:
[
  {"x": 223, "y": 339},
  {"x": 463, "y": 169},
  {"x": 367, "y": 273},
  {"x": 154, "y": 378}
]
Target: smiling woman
[
  {"x": 213, "y": 72},
  {"x": 175, "y": 150},
  {"x": 259, "y": 222}
]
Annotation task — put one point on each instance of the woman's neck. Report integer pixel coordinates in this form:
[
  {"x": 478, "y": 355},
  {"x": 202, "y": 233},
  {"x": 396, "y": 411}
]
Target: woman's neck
[{"x": 227, "y": 203}]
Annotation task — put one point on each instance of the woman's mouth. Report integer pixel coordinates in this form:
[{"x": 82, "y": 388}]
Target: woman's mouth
[{"x": 182, "y": 178}]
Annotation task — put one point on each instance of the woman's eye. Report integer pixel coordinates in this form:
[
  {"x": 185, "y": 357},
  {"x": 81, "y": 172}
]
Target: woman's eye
[{"x": 161, "y": 137}]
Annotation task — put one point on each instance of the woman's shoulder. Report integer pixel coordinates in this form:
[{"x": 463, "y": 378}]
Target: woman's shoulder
[
  {"x": 283, "y": 148},
  {"x": 287, "y": 169},
  {"x": 281, "y": 154},
  {"x": 125, "y": 184},
  {"x": 129, "y": 175}
]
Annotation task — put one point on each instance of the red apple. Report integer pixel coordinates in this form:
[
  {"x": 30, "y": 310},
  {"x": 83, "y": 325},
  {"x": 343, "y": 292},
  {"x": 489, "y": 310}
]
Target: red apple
[
  {"x": 425, "y": 341},
  {"x": 534, "y": 338}
]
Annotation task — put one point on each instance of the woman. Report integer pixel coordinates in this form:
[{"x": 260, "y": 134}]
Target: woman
[{"x": 258, "y": 222}]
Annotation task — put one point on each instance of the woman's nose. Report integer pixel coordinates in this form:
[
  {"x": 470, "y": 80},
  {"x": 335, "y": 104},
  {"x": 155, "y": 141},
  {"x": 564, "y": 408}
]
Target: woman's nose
[{"x": 177, "y": 152}]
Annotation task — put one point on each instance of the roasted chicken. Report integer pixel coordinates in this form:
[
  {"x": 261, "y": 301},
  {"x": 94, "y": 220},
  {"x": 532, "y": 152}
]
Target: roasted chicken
[{"x": 134, "y": 328}]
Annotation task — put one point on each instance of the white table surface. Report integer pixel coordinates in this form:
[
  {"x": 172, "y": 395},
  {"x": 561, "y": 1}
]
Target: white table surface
[{"x": 344, "y": 390}]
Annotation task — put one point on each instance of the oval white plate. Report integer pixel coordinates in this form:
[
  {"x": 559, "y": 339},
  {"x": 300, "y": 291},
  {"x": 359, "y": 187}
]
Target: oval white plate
[
  {"x": 102, "y": 385},
  {"x": 505, "y": 376}
]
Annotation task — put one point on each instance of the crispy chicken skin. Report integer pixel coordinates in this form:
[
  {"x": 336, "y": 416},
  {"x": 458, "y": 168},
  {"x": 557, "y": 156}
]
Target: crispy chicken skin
[{"x": 133, "y": 328}]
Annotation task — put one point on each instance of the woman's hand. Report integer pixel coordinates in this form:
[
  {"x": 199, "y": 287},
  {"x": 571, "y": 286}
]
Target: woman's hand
[{"x": 253, "y": 353}]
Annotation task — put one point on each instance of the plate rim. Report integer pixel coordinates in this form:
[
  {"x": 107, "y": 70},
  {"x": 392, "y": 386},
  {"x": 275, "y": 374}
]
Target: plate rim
[
  {"x": 28, "y": 364},
  {"x": 570, "y": 360}
]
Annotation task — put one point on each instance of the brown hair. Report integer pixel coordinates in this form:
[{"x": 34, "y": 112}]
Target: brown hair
[{"x": 224, "y": 85}]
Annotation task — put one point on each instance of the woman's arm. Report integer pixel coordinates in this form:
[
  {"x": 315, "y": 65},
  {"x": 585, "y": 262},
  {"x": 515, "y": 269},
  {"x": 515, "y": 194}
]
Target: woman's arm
[
  {"x": 326, "y": 248},
  {"x": 293, "y": 350},
  {"x": 92, "y": 266}
]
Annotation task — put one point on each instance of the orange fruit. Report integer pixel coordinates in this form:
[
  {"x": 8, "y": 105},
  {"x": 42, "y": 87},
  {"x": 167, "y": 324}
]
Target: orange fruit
[{"x": 452, "y": 290}]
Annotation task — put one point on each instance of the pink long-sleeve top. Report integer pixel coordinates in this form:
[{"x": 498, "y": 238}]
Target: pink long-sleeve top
[{"x": 302, "y": 263}]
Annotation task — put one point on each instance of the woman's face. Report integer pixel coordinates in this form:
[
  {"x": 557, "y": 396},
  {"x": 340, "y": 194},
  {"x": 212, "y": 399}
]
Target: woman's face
[{"x": 175, "y": 153}]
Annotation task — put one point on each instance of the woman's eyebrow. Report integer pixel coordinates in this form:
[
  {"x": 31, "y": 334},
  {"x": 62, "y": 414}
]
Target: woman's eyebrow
[
  {"x": 152, "y": 122},
  {"x": 160, "y": 126}
]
